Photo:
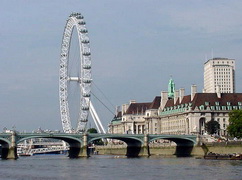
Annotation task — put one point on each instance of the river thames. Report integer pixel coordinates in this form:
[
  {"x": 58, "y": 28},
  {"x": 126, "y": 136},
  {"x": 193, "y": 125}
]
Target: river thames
[{"x": 118, "y": 168}]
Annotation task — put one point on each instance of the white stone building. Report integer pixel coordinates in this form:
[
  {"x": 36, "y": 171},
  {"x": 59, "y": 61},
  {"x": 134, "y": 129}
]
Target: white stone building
[
  {"x": 184, "y": 114},
  {"x": 188, "y": 114},
  {"x": 176, "y": 113},
  {"x": 219, "y": 72},
  {"x": 131, "y": 118}
]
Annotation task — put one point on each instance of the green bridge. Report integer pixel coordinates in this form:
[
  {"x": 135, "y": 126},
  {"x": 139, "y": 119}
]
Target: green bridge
[{"x": 137, "y": 144}]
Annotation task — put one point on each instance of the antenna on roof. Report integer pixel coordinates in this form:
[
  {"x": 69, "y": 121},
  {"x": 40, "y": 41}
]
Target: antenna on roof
[{"x": 212, "y": 53}]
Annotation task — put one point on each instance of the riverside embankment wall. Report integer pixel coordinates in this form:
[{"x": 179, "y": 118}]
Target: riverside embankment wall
[{"x": 221, "y": 148}]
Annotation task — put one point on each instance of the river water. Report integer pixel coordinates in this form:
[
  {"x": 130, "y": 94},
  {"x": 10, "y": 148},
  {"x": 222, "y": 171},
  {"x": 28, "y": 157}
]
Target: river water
[{"x": 102, "y": 167}]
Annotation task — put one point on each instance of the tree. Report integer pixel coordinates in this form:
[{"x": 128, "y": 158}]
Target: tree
[
  {"x": 92, "y": 130},
  {"x": 212, "y": 127},
  {"x": 98, "y": 141},
  {"x": 235, "y": 123}
]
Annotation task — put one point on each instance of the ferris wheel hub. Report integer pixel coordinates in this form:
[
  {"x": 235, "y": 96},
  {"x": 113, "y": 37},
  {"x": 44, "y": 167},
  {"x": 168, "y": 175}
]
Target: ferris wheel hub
[{"x": 74, "y": 79}]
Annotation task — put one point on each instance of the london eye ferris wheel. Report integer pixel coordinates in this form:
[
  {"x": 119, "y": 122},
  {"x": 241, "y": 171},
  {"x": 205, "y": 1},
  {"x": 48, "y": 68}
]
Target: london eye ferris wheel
[{"x": 83, "y": 78}]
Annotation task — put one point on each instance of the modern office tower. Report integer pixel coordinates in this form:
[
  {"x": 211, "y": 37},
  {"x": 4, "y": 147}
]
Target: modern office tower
[{"x": 219, "y": 75}]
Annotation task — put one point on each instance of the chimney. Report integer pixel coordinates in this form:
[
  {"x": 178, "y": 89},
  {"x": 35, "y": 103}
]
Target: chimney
[
  {"x": 164, "y": 99},
  {"x": 176, "y": 95},
  {"x": 124, "y": 108},
  {"x": 218, "y": 91},
  {"x": 181, "y": 94},
  {"x": 117, "y": 109},
  {"x": 193, "y": 91}
]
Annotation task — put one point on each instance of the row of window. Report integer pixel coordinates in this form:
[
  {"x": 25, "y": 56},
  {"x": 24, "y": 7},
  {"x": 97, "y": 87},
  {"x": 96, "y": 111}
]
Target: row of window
[
  {"x": 224, "y": 88},
  {"x": 222, "y": 62},
  {"x": 221, "y": 73},
  {"x": 223, "y": 82},
  {"x": 222, "y": 69},
  {"x": 222, "y": 79},
  {"x": 218, "y": 119}
]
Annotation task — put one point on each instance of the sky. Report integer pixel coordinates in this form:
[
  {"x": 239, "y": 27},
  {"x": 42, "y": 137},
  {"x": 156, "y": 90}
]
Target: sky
[{"x": 136, "y": 46}]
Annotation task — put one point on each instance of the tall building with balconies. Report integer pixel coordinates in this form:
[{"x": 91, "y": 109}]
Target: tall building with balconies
[{"x": 219, "y": 75}]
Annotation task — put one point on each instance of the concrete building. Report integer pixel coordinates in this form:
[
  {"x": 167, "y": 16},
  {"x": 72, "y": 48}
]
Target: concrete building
[
  {"x": 131, "y": 118},
  {"x": 184, "y": 114},
  {"x": 219, "y": 72},
  {"x": 176, "y": 113},
  {"x": 188, "y": 114}
]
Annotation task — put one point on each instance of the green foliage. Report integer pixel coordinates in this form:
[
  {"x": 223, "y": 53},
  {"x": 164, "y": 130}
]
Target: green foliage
[
  {"x": 212, "y": 127},
  {"x": 235, "y": 123},
  {"x": 98, "y": 141},
  {"x": 92, "y": 130}
]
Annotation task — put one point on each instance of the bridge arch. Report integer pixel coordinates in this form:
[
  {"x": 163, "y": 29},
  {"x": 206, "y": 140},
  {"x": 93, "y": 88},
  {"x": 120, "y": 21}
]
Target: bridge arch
[
  {"x": 4, "y": 141},
  {"x": 75, "y": 143},
  {"x": 184, "y": 145},
  {"x": 134, "y": 144},
  {"x": 5, "y": 144},
  {"x": 176, "y": 140},
  {"x": 64, "y": 138},
  {"x": 124, "y": 139}
]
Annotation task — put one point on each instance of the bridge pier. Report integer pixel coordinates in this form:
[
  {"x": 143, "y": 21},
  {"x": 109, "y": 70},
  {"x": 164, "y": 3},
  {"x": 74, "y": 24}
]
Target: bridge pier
[
  {"x": 78, "y": 150},
  {"x": 145, "y": 149},
  {"x": 84, "y": 148},
  {"x": 12, "y": 153},
  {"x": 184, "y": 149},
  {"x": 9, "y": 151},
  {"x": 136, "y": 148}
]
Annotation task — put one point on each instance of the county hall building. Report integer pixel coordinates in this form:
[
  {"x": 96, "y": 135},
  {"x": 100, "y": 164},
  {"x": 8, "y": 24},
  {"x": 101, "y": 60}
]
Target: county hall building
[{"x": 176, "y": 113}]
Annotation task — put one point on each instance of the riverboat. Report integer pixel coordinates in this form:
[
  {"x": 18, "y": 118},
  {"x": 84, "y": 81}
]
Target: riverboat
[
  {"x": 25, "y": 154},
  {"x": 223, "y": 156}
]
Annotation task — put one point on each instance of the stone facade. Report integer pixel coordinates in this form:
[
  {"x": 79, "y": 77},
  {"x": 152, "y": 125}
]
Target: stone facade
[
  {"x": 189, "y": 114},
  {"x": 130, "y": 120},
  {"x": 180, "y": 115},
  {"x": 175, "y": 113}
]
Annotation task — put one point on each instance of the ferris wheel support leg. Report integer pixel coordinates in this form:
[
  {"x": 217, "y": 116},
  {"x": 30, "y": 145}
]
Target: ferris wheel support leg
[
  {"x": 96, "y": 119},
  {"x": 96, "y": 124}
]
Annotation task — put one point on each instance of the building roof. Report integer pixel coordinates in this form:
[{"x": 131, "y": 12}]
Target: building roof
[
  {"x": 119, "y": 114},
  {"x": 156, "y": 103},
  {"x": 210, "y": 98},
  {"x": 219, "y": 58},
  {"x": 137, "y": 108}
]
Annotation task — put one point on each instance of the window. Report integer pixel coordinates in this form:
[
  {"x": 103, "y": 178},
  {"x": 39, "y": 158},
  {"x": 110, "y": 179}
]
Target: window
[{"x": 201, "y": 107}]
